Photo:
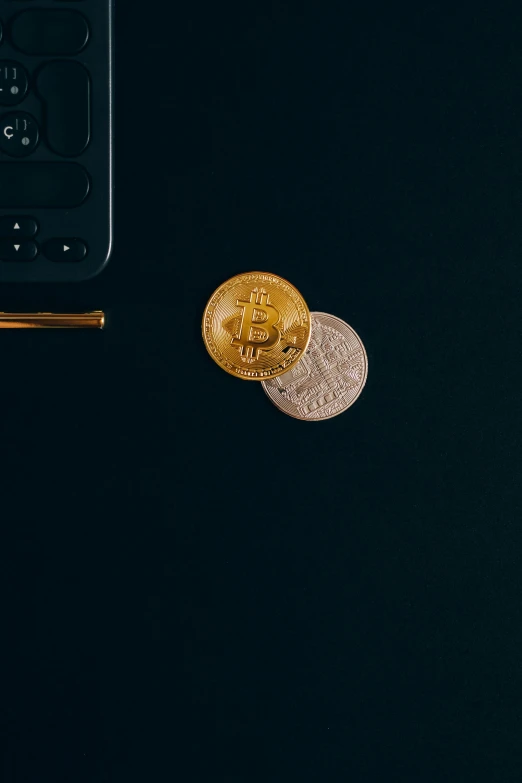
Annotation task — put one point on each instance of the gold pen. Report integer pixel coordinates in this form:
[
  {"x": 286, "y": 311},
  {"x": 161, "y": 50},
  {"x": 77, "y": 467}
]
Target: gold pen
[{"x": 93, "y": 320}]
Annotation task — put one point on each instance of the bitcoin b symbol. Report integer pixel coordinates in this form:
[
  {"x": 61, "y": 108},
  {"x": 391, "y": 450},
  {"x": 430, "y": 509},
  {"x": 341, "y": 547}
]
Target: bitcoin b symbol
[{"x": 258, "y": 330}]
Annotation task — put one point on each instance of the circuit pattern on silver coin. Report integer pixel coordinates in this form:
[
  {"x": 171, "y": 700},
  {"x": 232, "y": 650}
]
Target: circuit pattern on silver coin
[{"x": 330, "y": 376}]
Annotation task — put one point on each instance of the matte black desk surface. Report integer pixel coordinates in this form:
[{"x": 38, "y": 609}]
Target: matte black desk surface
[{"x": 195, "y": 586}]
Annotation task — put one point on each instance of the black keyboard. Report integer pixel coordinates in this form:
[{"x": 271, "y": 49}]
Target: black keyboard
[{"x": 55, "y": 139}]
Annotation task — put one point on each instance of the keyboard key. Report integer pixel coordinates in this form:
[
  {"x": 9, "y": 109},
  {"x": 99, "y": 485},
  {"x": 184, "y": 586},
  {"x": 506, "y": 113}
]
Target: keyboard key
[
  {"x": 17, "y": 251},
  {"x": 24, "y": 185},
  {"x": 64, "y": 86},
  {"x": 18, "y": 227},
  {"x": 50, "y": 32},
  {"x": 18, "y": 134},
  {"x": 14, "y": 82},
  {"x": 65, "y": 249}
]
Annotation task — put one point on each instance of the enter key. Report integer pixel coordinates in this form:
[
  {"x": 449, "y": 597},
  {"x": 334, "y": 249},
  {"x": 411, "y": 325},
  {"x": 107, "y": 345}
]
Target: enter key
[{"x": 64, "y": 86}]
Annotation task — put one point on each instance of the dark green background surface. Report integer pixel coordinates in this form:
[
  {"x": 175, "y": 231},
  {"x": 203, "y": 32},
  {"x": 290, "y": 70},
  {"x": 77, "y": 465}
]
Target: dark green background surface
[{"x": 196, "y": 587}]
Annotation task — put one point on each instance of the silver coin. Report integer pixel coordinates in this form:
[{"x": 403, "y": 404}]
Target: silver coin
[{"x": 330, "y": 376}]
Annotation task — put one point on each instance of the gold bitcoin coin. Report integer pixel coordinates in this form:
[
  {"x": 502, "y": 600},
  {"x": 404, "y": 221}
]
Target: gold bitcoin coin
[{"x": 256, "y": 326}]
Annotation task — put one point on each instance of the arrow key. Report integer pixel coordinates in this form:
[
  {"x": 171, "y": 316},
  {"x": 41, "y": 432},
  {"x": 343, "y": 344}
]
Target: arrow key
[
  {"x": 65, "y": 249},
  {"x": 18, "y": 227},
  {"x": 11, "y": 250}
]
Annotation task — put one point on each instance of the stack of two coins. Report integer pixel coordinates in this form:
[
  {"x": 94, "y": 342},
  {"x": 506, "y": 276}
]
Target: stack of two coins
[{"x": 257, "y": 326}]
